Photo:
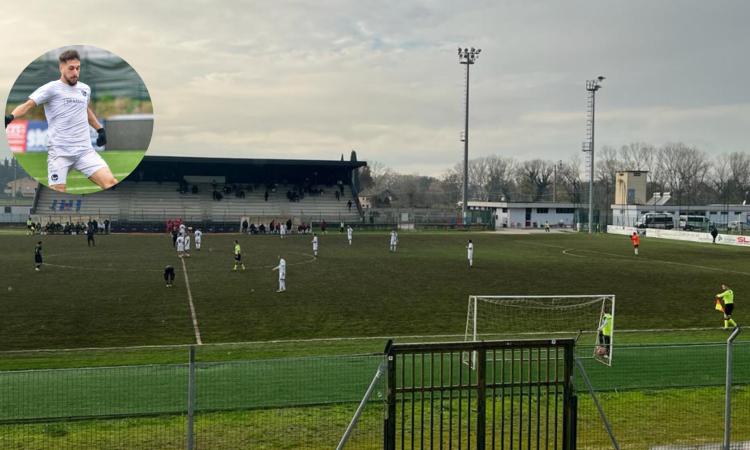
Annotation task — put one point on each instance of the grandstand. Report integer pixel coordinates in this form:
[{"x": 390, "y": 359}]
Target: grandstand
[{"x": 257, "y": 190}]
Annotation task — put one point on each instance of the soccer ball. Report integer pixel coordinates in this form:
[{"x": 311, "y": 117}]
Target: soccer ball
[{"x": 601, "y": 350}]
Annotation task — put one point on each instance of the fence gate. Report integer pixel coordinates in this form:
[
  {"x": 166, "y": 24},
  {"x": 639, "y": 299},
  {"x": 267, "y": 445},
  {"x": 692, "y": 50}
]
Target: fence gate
[{"x": 477, "y": 395}]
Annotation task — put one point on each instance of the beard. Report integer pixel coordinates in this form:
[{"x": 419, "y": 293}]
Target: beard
[{"x": 71, "y": 81}]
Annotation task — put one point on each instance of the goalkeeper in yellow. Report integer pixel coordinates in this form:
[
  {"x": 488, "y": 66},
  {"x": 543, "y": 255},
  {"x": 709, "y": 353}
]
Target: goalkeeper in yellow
[
  {"x": 606, "y": 325},
  {"x": 727, "y": 296}
]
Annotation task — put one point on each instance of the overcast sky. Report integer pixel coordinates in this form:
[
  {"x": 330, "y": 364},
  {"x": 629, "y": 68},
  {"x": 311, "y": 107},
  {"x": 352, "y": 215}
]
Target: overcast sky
[{"x": 296, "y": 79}]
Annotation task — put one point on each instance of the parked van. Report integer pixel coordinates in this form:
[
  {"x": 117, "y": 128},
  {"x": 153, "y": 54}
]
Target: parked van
[
  {"x": 694, "y": 223},
  {"x": 656, "y": 220}
]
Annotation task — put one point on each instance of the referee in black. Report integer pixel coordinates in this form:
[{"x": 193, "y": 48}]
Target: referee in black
[
  {"x": 90, "y": 230},
  {"x": 169, "y": 275},
  {"x": 38, "y": 256}
]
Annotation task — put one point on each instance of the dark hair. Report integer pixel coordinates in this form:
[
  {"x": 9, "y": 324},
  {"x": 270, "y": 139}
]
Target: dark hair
[{"x": 67, "y": 55}]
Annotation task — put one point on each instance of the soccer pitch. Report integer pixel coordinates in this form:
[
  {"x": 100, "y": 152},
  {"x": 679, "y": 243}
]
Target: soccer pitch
[
  {"x": 309, "y": 353},
  {"x": 113, "y": 294},
  {"x": 121, "y": 163}
]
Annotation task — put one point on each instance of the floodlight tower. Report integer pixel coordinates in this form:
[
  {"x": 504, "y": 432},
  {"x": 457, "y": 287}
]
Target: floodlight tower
[
  {"x": 588, "y": 146},
  {"x": 467, "y": 56}
]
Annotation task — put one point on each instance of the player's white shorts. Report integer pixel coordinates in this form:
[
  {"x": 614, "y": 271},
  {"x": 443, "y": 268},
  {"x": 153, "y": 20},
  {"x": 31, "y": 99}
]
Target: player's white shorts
[
  {"x": 197, "y": 243},
  {"x": 315, "y": 248},
  {"x": 471, "y": 255},
  {"x": 180, "y": 247},
  {"x": 87, "y": 163}
]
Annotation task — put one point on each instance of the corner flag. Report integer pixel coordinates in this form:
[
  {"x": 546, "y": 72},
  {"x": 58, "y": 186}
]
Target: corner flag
[{"x": 718, "y": 306}]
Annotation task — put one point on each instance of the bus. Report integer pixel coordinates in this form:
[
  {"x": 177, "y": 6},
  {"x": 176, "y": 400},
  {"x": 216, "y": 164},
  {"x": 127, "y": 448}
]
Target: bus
[{"x": 656, "y": 220}]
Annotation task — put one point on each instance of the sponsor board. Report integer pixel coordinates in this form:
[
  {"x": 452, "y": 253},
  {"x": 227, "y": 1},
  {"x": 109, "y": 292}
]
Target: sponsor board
[{"x": 691, "y": 236}]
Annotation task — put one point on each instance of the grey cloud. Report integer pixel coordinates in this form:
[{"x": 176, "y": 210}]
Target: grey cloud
[{"x": 311, "y": 79}]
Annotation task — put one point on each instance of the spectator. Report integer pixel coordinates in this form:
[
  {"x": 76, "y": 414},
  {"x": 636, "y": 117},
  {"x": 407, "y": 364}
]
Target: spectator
[
  {"x": 265, "y": 196},
  {"x": 349, "y": 205}
]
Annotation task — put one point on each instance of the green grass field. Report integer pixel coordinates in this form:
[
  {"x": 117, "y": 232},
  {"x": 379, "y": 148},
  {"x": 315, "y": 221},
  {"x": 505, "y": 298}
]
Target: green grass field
[
  {"x": 344, "y": 303},
  {"x": 121, "y": 163},
  {"x": 113, "y": 294}
]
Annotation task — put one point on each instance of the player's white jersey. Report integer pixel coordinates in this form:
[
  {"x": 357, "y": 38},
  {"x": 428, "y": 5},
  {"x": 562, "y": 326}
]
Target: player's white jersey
[
  {"x": 66, "y": 110},
  {"x": 198, "y": 235},
  {"x": 187, "y": 242},
  {"x": 349, "y": 232},
  {"x": 394, "y": 238},
  {"x": 315, "y": 242},
  {"x": 180, "y": 243},
  {"x": 182, "y": 229},
  {"x": 470, "y": 250},
  {"x": 282, "y": 269}
]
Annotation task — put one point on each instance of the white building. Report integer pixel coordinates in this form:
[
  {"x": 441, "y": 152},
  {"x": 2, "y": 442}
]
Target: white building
[{"x": 528, "y": 214}]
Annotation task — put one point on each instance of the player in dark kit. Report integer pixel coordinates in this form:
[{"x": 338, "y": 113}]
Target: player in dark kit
[
  {"x": 90, "y": 235},
  {"x": 38, "y": 256},
  {"x": 169, "y": 275}
]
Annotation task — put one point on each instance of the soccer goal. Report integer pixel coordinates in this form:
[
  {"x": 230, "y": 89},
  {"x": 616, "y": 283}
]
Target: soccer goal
[{"x": 587, "y": 318}]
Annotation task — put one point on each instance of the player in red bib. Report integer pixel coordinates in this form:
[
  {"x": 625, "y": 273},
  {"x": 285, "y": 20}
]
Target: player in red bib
[{"x": 636, "y": 240}]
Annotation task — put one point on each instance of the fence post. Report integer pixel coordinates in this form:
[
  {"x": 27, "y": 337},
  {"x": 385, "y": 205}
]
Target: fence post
[
  {"x": 481, "y": 397},
  {"x": 728, "y": 390},
  {"x": 191, "y": 399},
  {"x": 390, "y": 420}
]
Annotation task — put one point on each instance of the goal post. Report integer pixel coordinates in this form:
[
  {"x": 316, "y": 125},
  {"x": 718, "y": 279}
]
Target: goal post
[{"x": 589, "y": 318}]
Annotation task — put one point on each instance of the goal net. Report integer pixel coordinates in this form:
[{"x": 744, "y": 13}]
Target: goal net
[{"x": 587, "y": 318}]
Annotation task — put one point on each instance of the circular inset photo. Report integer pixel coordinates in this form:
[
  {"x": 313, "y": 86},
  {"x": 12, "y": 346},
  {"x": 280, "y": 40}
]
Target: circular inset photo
[{"x": 79, "y": 119}]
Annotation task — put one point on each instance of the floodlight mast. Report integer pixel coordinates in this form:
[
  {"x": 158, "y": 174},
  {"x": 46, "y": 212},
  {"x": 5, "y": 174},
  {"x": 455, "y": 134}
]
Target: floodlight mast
[
  {"x": 591, "y": 86},
  {"x": 467, "y": 56}
]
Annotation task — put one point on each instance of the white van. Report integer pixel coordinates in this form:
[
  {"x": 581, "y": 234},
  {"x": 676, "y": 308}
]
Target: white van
[
  {"x": 694, "y": 223},
  {"x": 663, "y": 221}
]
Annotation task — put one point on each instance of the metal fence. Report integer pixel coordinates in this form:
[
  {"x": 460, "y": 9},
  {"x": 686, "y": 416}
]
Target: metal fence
[
  {"x": 654, "y": 396},
  {"x": 494, "y": 394}
]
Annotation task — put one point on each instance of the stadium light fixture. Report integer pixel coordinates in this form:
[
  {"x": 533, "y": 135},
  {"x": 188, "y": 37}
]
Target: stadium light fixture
[
  {"x": 467, "y": 57},
  {"x": 591, "y": 87}
]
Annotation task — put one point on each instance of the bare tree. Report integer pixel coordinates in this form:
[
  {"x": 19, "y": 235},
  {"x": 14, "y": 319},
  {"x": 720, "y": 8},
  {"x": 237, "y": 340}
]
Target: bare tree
[
  {"x": 739, "y": 166},
  {"x": 534, "y": 177},
  {"x": 721, "y": 176}
]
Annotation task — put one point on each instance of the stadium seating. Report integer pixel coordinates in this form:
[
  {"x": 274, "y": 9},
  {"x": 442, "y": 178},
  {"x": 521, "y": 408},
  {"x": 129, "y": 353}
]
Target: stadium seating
[{"x": 157, "y": 202}]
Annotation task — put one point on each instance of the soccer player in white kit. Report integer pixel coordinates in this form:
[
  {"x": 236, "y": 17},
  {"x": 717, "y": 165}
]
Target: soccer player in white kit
[
  {"x": 470, "y": 253},
  {"x": 349, "y": 232},
  {"x": 187, "y": 244},
  {"x": 180, "y": 245},
  {"x": 394, "y": 241},
  {"x": 315, "y": 245},
  {"x": 282, "y": 274},
  {"x": 67, "y": 109},
  {"x": 282, "y": 230},
  {"x": 198, "y": 236}
]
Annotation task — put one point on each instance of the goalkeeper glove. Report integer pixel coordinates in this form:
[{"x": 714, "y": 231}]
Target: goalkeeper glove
[
  {"x": 101, "y": 140},
  {"x": 8, "y": 119}
]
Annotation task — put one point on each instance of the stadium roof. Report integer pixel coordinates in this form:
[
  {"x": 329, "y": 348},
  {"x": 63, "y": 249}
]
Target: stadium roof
[{"x": 147, "y": 160}]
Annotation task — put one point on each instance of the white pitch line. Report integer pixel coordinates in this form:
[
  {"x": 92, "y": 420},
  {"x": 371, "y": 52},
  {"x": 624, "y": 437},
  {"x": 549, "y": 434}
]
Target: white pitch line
[
  {"x": 675, "y": 263},
  {"x": 565, "y": 252},
  {"x": 333, "y": 339},
  {"x": 192, "y": 306}
]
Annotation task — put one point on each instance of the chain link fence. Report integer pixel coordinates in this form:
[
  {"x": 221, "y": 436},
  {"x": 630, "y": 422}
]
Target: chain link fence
[{"x": 655, "y": 396}]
